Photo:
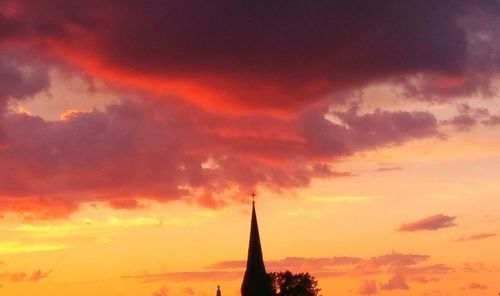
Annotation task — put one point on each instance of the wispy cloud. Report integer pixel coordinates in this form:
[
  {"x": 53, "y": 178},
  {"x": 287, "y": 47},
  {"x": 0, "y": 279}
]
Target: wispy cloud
[
  {"x": 401, "y": 268},
  {"x": 475, "y": 286},
  {"x": 22, "y": 277},
  {"x": 474, "y": 237},
  {"x": 15, "y": 247}
]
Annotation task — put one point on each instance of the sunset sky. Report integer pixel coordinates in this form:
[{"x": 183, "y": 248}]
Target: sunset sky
[{"x": 132, "y": 134}]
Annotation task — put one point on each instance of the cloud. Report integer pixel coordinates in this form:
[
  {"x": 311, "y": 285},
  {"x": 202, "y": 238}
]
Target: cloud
[
  {"x": 469, "y": 117},
  {"x": 293, "y": 263},
  {"x": 263, "y": 56},
  {"x": 20, "y": 80},
  {"x": 38, "y": 275},
  {"x": 18, "y": 83},
  {"x": 399, "y": 259},
  {"x": 475, "y": 286},
  {"x": 254, "y": 61},
  {"x": 161, "y": 292},
  {"x": 388, "y": 168},
  {"x": 15, "y": 247},
  {"x": 368, "y": 287},
  {"x": 397, "y": 282},
  {"x": 188, "y": 291},
  {"x": 478, "y": 236},
  {"x": 430, "y": 223},
  {"x": 493, "y": 120},
  {"x": 149, "y": 150},
  {"x": 402, "y": 269},
  {"x": 187, "y": 276},
  {"x": 22, "y": 277}
]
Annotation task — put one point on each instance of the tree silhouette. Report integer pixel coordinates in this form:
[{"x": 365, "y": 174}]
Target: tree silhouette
[{"x": 299, "y": 284}]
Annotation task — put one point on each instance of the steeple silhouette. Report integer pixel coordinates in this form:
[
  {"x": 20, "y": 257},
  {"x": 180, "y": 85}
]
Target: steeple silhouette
[
  {"x": 256, "y": 282},
  {"x": 219, "y": 293}
]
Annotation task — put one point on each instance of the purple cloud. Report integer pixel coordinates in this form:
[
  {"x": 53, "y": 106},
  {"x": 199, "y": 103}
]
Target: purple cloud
[{"x": 430, "y": 223}]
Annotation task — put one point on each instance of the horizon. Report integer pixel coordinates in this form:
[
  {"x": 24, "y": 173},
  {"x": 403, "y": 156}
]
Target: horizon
[{"x": 135, "y": 136}]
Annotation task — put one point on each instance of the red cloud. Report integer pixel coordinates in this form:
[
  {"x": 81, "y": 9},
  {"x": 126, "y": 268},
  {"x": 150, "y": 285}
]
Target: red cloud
[
  {"x": 222, "y": 55},
  {"x": 430, "y": 223},
  {"x": 254, "y": 56}
]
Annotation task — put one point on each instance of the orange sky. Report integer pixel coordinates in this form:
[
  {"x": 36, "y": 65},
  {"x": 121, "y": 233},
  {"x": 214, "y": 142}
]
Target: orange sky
[{"x": 132, "y": 135}]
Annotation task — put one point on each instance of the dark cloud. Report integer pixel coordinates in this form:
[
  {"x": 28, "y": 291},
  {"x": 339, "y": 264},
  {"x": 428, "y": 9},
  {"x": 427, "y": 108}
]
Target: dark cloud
[
  {"x": 277, "y": 55},
  {"x": 430, "y": 223},
  {"x": 366, "y": 131},
  {"x": 20, "y": 80}
]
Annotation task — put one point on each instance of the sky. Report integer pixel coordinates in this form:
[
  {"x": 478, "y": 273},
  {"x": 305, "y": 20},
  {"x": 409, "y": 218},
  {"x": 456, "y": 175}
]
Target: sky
[{"x": 132, "y": 134}]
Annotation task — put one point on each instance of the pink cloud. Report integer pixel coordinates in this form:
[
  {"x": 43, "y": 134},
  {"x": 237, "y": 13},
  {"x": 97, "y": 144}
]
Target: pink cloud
[{"x": 430, "y": 223}]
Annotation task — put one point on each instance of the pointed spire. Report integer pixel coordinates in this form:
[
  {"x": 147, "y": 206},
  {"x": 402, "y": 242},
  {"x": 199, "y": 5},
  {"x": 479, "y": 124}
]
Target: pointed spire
[{"x": 256, "y": 282}]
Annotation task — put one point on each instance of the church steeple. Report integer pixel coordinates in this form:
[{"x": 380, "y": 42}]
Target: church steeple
[{"x": 256, "y": 282}]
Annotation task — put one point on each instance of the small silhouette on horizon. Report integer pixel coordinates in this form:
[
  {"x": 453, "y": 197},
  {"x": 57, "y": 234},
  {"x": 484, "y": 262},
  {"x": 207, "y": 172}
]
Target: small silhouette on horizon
[{"x": 219, "y": 293}]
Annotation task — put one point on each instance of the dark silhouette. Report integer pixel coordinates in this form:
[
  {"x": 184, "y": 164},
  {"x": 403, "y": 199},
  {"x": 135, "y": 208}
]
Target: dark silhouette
[
  {"x": 219, "y": 293},
  {"x": 256, "y": 281},
  {"x": 299, "y": 284}
]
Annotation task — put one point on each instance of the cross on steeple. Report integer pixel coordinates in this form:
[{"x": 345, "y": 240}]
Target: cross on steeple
[{"x": 253, "y": 197}]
